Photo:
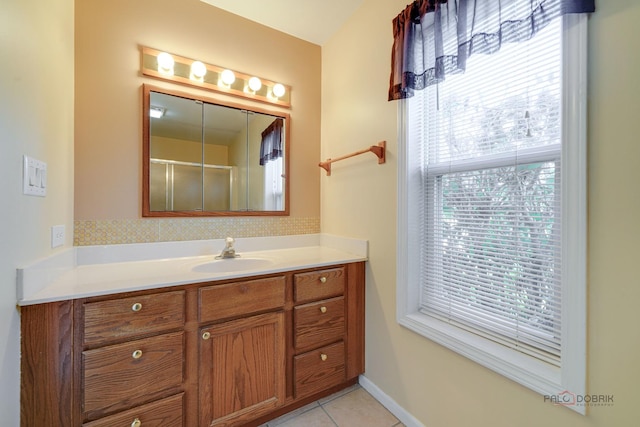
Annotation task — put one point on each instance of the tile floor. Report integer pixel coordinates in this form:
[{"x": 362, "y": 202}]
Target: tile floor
[{"x": 351, "y": 407}]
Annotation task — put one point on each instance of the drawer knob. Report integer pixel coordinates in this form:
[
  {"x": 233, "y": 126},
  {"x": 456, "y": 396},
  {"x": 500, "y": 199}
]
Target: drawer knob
[
  {"x": 323, "y": 309},
  {"x": 323, "y": 279},
  {"x": 137, "y": 354},
  {"x": 323, "y": 357},
  {"x": 136, "y": 307},
  {"x": 136, "y": 423},
  {"x": 206, "y": 335}
]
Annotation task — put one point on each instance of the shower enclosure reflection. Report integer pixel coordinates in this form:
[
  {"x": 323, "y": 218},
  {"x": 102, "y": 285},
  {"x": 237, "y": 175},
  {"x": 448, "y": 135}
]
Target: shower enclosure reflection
[{"x": 205, "y": 158}]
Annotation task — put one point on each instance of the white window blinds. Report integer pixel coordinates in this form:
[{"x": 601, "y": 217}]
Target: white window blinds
[{"x": 491, "y": 204}]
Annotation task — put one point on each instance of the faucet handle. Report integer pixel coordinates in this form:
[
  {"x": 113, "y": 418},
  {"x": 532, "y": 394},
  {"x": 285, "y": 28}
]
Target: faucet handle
[{"x": 228, "y": 251}]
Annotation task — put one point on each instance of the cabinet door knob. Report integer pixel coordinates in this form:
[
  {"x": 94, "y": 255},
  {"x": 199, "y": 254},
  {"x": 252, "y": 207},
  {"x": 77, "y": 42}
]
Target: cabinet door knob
[
  {"x": 206, "y": 335},
  {"x": 323, "y": 279},
  {"x": 323, "y": 309},
  {"x": 136, "y": 307},
  {"x": 137, "y": 354},
  {"x": 323, "y": 357},
  {"x": 136, "y": 423}
]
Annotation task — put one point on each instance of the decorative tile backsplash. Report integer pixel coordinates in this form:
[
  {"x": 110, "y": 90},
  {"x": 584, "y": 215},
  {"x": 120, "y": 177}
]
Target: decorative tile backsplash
[{"x": 148, "y": 230}]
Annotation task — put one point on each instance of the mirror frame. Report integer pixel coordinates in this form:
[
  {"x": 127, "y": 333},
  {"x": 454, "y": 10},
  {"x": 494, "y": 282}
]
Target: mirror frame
[{"x": 146, "y": 121}]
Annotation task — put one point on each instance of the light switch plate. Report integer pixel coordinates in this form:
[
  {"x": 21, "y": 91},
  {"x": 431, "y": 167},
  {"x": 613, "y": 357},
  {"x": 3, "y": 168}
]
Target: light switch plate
[
  {"x": 34, "y": 177},
  {"x": 57, "y": 236}
]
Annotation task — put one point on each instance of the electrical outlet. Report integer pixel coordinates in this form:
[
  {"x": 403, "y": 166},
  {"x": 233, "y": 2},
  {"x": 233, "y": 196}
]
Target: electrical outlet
[{"x": 57, "y": 236}]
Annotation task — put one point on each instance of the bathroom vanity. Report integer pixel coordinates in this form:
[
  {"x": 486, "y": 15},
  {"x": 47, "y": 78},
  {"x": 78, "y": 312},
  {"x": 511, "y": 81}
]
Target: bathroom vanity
[{"x": 236, "y": 350}]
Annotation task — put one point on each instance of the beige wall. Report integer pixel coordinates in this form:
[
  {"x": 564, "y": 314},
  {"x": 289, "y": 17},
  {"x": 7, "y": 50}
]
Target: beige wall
[
  {"x": 188, "y": 151},
  {"x": 108, "y": 96},
  {"x": 439, "y": 387},
  {"x": 36, "y": 119}
]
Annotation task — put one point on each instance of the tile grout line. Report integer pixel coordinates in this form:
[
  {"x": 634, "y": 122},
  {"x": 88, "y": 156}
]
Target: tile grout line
[
  {"x": 339, "y": 396},
  {"x": 329, "y": 415},
  {"x": 293, "y": 414}
]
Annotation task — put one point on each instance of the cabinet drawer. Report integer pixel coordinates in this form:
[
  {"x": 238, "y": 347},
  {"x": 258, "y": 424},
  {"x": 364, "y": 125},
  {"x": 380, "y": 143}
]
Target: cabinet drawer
[
  {"x": 120, "y": 376},
  {"x": 115, "y": 319},
  {"x": 163, "y": 413},
  {"x": 241, "y": 298},
  {"x": 318, "y": 323},
  {"x": 319, "y": 369},
  {"x": 318, "y": 284}
]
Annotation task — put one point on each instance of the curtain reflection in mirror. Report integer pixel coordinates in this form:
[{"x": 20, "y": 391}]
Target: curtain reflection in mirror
[{"x": 271, "y": 150}]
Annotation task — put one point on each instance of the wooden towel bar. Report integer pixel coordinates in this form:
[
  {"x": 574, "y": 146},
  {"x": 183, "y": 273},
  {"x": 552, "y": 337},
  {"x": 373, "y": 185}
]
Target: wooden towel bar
[{"x": 379, "y": 150}]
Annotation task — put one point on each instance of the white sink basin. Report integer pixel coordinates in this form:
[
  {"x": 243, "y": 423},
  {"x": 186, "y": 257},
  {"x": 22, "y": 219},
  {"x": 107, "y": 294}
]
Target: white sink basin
[{"x": 232, "y": 264}]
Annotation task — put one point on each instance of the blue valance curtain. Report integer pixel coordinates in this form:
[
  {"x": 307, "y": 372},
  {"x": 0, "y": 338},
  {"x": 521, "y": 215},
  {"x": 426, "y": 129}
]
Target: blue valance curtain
[
  {"x": 433, "y": 38},
  {"x": 271, "y": 145}
]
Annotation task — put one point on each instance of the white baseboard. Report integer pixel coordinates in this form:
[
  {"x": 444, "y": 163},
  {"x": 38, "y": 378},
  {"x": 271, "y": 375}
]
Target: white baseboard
[{"x": 400, "y": 413}]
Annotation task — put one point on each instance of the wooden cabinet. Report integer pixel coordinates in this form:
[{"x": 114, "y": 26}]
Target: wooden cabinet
[
  {"x": 162, "y": 413},
  {"x": 241, "y": 298},
  {"x": 227, "y": 353},
  {"x": 116, "y": 319},
  {"x": 315, "y": 285},
  {"x": 318, "y": 323},
  {"x": 319, "y": 369},
  {"x": 319, "y": 330},
  {"x": 124, "y": 375},
  {"x": 241, "y": 371},
  {"x": 132, "y": 354}
]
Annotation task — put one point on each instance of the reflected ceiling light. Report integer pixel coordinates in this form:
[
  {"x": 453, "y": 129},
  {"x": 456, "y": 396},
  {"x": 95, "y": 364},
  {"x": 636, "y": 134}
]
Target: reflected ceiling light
[
  {"x": 255, "y": 84},
  {"x": 165, "y": 63},
  {"x": 278, "y": 90},
  {"x": 228, "y": 77},
  {"x": 198, "y": 70},
  {"x": 156, "y": 112}
]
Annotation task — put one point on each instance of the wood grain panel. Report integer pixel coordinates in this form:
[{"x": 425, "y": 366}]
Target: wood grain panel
[
  {"x": 242, "y": 365},
  {"x": 241, "y": 298},
  {"x": 319, "y": 284},
  {"x": 319, "y": 323},
  {"x": 107, "y": 321},
  {"x": 319, "y": 369},
  {"x": 162, "y": 413},
  {"x": 355, "y": 303},
  {"x": 114, "y": 380},
  {"x": 46, "y": 365}
]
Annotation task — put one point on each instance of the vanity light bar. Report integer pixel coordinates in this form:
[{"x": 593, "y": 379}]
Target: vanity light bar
[{"x": 192, "y": 72}]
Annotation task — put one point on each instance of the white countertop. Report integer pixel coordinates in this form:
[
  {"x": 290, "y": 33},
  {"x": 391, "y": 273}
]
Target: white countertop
[{"x": 100, "y": 270}]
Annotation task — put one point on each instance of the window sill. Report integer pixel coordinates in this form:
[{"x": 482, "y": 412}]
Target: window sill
[{"x": 525, "y": 370}]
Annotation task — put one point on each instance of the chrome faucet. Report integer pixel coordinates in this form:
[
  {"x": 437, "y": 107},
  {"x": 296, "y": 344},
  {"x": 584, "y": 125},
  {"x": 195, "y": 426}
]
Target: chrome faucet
[{"x": 228, "y": 251}]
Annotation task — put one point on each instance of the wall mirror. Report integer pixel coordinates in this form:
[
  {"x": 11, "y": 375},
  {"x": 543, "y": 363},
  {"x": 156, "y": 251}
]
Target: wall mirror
[{"x": 203, "y": 157}]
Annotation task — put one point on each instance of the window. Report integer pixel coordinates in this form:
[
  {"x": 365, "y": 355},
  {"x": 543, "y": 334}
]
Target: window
[
  {"x": 273, "y": 193},
  {"x": 492, "y": 210},
  {"x": 271, "y": 151}
]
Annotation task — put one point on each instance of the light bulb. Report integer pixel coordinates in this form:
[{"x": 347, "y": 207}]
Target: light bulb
[
  {"x": 198, "y": 70},
  {"x": 228, "y": 77},
  {"x": 278, "y": 90},
  {"x": 156, "y": 112},
  {"x": 255, "y": 84},
  {"x": 165, "y": 63}
]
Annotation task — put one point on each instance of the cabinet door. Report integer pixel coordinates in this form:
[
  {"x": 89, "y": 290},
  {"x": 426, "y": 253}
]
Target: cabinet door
[{"x": 242, "y": 369}]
